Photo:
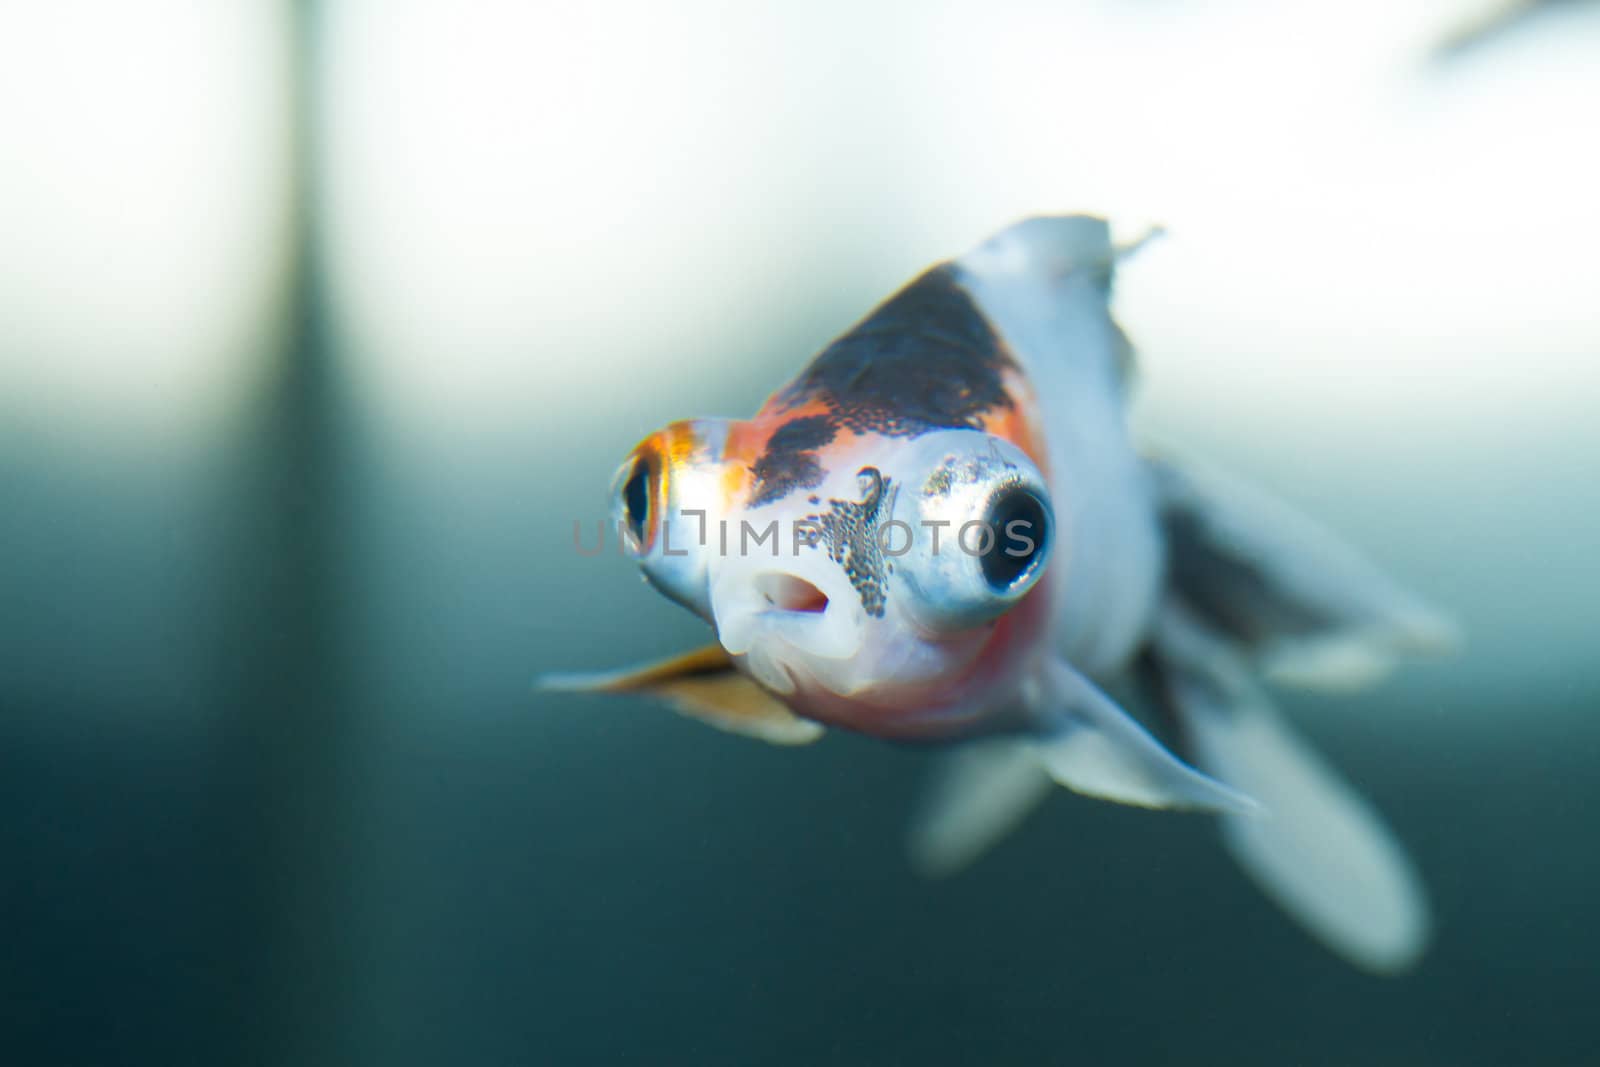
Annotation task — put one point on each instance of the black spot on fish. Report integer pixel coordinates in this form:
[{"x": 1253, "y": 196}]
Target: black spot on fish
[
  {"x": 789, "y": 461},
  {"x": 849, "y": 532},
  {"x": 926, "y": 359}
]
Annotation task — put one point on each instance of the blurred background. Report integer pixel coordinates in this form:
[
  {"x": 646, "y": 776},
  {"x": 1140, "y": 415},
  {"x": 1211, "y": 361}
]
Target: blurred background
[{"x": 321, "y": 324}]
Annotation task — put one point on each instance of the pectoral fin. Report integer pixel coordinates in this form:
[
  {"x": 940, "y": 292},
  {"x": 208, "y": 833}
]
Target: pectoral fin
[
  {"x": 979, "y": 793},
  {"x": 1092, "y": 746},
  {"x": 704, "y": 685}
]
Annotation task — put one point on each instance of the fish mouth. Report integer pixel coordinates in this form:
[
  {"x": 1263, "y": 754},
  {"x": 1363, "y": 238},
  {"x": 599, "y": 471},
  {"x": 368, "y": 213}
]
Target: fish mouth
[
  {"x": 786, "y": 624},
  {"x": 787, "y": 592}
]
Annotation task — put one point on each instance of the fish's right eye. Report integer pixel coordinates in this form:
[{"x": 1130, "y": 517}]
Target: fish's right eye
[{"x": 636, "y": 502}]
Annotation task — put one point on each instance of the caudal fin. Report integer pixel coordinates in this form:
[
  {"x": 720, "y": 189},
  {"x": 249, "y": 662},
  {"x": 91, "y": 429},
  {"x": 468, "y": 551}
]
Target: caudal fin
[
  {"x": 1320, "y": 850},
  {"x": 1309, "y": 609}
]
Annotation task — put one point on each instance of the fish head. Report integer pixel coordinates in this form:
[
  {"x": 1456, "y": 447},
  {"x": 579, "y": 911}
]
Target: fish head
[{"x": 882, "y": 581}]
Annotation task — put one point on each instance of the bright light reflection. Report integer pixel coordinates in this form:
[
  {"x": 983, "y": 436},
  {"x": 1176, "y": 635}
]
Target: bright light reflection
[
  {"x": 140, "y": 208},
  {"x": 536, "y": 198}
]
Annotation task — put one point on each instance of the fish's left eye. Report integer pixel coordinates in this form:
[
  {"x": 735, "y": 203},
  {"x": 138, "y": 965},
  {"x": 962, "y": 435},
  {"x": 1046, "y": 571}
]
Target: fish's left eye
[
  {"x": 998, "y": 531},
  {"x": 1021, "y": 525}
]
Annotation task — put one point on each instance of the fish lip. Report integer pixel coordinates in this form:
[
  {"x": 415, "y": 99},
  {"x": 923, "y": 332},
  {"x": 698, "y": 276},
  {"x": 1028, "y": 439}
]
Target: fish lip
[
  {"x": 814, "y": 633},
  {"x": 790, "y": 623}
]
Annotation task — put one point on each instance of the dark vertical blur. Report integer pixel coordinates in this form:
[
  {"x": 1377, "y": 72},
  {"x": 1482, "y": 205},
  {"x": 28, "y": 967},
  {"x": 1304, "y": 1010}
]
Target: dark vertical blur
[
  {"x": 176, "y": 711},
  {"x": 284, "y": 639}
]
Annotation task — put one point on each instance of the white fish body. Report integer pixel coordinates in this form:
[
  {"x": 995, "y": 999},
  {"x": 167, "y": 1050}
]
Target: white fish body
[{"x": 991, "y": 394}]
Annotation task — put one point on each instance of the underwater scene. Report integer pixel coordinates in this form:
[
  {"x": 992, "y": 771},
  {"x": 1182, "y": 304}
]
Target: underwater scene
[{"x": 937, "y": 533}]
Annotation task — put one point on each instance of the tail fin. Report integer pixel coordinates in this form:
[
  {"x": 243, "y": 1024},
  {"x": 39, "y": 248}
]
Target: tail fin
[
  {"x": 1320, "y": 851},
  {"x": 1309, "y": 609}
]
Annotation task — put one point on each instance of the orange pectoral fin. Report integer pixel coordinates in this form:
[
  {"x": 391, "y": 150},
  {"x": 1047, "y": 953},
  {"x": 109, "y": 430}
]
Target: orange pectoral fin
[{"x": 703, "y": 685}]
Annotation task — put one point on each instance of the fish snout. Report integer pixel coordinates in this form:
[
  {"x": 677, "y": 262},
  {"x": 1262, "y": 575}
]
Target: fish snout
[{"x": 787, "y": 616}]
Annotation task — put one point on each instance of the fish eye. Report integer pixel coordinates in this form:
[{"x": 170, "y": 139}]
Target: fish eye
[
  {"x": 993, "y": 499},
  {"x": 1021, "y": 525},
  {"x": 663, "y": 496},
  {"x": 636, "y": 494}
]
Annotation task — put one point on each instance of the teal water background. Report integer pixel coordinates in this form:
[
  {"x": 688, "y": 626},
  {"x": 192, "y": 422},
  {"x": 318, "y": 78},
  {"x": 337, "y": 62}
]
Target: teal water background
[{"x": 321, "y": 325}]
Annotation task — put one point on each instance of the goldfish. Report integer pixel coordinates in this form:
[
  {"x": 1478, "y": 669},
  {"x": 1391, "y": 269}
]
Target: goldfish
[{"x": 944, "y": 532}]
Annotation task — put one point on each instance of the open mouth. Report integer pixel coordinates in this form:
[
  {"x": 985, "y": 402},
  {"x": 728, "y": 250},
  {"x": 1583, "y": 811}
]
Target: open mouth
[
  {"x": 785, "y": 592},
  {"x": 784, "y": 624}
]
